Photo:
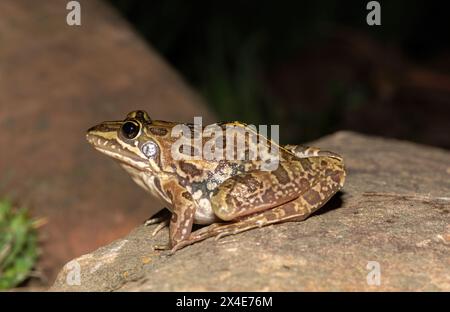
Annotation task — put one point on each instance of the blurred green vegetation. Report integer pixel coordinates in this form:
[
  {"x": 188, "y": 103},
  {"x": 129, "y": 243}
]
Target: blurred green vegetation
[
  {"x": 226, "y": 49},
  {"x": 18, "y": 245}
]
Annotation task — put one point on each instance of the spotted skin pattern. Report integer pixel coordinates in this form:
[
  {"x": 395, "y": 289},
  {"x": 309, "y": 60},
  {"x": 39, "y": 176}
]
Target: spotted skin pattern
[{"x": 229, "y": 196}]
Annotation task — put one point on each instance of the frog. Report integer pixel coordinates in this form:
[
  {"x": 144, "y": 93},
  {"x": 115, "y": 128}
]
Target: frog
[{"x": 219, "y": 196}]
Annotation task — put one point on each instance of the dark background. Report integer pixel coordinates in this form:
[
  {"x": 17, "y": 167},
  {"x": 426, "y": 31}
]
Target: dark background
[{"x": 313, "y": 67}]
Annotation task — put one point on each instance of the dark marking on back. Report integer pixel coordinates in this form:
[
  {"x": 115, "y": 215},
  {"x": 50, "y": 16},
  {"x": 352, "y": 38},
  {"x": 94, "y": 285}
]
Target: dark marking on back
[
  {"x": 304, "y": 184},
  {"x": 306, "y": 164},
  {"x": 158, "y": 131},
  {"x": 336, "y": 177},
  {"x": 281, "y": 175},
  {"x": 190, "y": 169},
  {"x": 312, "y": 197},
  {"x": 250, "y": 183},
  {"x": 187, "y": 195}
]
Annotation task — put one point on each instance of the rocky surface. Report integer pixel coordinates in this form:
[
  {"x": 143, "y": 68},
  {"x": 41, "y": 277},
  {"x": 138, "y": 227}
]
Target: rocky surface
[
  {"x": 394, "y": 210},
  {"x": 56, "y": 81}
]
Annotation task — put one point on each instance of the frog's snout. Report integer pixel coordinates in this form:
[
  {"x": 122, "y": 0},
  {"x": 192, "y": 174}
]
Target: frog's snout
[
  {"x": 89, "y": 137},
  {"x": 95, "y": 135}
]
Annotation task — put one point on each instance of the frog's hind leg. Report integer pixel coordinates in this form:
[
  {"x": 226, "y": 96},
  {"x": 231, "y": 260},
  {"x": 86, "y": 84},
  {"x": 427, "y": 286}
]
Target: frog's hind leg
[
  {"x": 256, "y": 191},
  {"x": 292, "y": 211},
  {"x": 295, "y": 210}
]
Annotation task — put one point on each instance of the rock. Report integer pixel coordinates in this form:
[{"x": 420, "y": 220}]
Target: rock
[
  {"x": 56, "y": 81},
  {"x": 393, "y": 215}
]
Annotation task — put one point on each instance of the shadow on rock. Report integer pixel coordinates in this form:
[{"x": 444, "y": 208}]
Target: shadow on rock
[{"x": 334, "y": 203}]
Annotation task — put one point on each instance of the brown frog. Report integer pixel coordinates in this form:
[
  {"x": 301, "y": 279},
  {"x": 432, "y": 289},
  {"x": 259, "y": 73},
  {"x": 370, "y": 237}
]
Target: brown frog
[{"x": 228, "y": 195}]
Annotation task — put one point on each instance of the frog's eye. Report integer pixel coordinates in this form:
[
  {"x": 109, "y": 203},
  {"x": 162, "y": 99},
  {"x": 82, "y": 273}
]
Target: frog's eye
[
  {"x": 130, "y": 130},
  {"x": 149, "y": 149}
]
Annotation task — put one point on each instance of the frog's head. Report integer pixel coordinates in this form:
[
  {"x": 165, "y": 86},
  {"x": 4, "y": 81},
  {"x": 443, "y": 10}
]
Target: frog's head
[{"x": 135, "y": 141}]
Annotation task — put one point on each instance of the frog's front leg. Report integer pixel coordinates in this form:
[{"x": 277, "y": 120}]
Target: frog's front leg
[
  {"x": 183, "y": 211},
  {"x": 183, "y": 207},
  {"x": 251, "y": 192}
]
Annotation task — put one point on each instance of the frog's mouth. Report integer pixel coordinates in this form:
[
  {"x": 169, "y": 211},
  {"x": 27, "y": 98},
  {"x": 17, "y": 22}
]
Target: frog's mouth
[{"x": 114, "y": 149}]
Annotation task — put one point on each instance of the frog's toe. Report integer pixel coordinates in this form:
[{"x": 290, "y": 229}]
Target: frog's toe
[
  {"x": 161, "y": 247},
  {"x": 226, "y": 233},
  {"x": 152, "y": 221},
  {"x": 180, "y": 245},
  {"x": 161, "y": 216},
  {"x": 160, "y": 226}
]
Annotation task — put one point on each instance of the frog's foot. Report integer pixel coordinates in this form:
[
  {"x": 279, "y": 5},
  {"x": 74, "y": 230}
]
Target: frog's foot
[
  {"x": 154, "y": 220},
  {"x": 162, "y": 218},
  {"x": 160, "y": 226},
  {"x": 200, "y": 234},
  {"x": 159, "y": 217},
  {"x": 161, "y": 247}
]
